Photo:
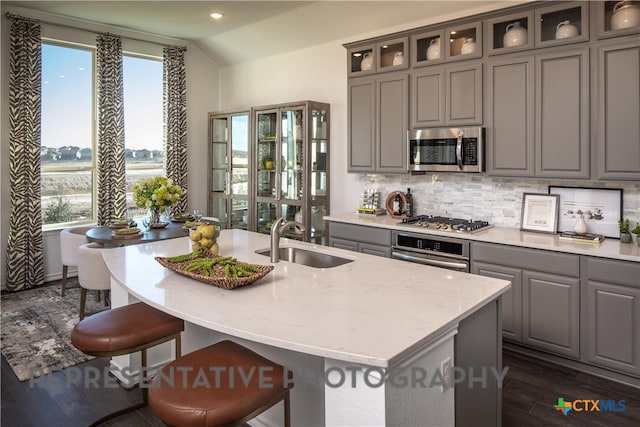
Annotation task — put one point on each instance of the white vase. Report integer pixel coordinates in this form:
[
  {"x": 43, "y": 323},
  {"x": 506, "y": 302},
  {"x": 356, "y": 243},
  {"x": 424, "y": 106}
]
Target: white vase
[
  {"x": 469, "y": 46},
  {"x": 433, "y": 51},
  {"x": 581, "y": 226},
  {"x": 515, "y": 35},
  {"x": 625, "y": 15}
]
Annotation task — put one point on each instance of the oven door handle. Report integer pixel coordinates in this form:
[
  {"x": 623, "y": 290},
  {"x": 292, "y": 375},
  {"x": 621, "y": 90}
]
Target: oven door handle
[{"x": 429, "y": 261}]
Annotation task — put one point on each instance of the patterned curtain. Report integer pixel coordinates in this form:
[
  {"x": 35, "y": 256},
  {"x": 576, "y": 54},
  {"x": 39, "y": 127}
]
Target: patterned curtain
[
  {"x": 25, "y": 254},
  {"x": 175, "y": 120},
  {"x": 112, "y": 200}
]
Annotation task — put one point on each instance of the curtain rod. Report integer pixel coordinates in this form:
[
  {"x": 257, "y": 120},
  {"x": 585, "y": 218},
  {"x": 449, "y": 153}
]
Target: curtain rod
[{"x": 12, "y": 16}]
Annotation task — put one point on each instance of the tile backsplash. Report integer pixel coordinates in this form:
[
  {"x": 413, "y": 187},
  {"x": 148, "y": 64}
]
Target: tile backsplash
[{"x": 497, "y": 200}]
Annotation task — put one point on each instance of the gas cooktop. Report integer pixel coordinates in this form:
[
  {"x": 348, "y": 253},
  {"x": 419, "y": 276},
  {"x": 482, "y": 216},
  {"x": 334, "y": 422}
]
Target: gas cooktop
[{"x": 441, "y": 223}]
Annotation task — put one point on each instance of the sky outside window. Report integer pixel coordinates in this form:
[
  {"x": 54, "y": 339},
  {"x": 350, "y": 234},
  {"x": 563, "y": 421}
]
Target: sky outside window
[{"x": 67, "y": 96}]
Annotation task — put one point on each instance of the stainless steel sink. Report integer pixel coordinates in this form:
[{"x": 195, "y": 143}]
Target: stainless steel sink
[{"x": 305, "y": 257}]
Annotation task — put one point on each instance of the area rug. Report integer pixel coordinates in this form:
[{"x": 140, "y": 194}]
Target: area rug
[{"x": 36, "y": 329}]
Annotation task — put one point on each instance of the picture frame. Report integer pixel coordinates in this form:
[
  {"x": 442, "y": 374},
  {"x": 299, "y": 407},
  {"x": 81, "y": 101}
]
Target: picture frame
[
  {"x": 601, "y": 209},
  {"x": 540, "y": 213}
]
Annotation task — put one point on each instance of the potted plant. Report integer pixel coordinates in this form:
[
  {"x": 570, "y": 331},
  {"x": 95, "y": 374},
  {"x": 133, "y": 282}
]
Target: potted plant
[
  {"x": 636, "y": 232},
  {"x": 625, "y": 236}
]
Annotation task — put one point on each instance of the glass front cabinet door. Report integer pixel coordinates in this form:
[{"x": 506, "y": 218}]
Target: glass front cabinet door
[
  {"x": 229, "y": 174},
  {"x": 291, "y": 162}
]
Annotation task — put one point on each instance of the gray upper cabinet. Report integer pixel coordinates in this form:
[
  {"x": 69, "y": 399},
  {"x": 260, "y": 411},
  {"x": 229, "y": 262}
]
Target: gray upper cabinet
[
  {"x": 463, "y": 42},
  {"x": 509, "y": 33},
  {"x": 446, "y": 95},
  {"x": 617, "y": 109},
  {"x": 427, "y": 48},
  {"x": 378, "y": 123},
  {"x": 537, "y": 111},
  {"x": 428, "y": 99},
  {"x": 393, "y": 55},
  {"x": 562, "y": 114},
  {"x": 612, "y": 315},
  {"x": 392, "y": 123},
  {"x": 361, "y": 126},
  {"x": 510, "y": 119},
  {"x": 562, "y": 23},
  {"x": 361, "y": 60},
  {"x": 614, "y": 18}
]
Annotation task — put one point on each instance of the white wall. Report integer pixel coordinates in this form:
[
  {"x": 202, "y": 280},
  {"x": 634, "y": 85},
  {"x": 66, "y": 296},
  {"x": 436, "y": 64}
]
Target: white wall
[
  {"x": 317, "y": 73},
  {"x": 202, "y": 97}
]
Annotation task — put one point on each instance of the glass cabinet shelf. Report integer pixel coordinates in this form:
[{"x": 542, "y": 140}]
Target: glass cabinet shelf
[
  {"x": 509, "y": 33},
  {"x": 392, "y": 54},
  {"x": 362, "y": 60},
  {"x": 616, "y": 18},
  {"x": 292, "y": 168},
  {"x": 427, "y": 48},
  {"x": 229, "y": 171},
  {"x": 463, "y": 42},
  {"x": 562, "y": 24}
]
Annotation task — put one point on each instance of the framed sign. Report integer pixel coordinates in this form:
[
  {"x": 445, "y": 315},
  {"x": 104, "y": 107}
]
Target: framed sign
[
  {"x": 601, "y": 209},
  {"x": 539, "y": 213}
]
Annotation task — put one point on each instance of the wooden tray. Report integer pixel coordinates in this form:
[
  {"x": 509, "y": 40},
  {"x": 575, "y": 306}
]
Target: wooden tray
[
  {"x": 218, "y": 279},
  {"x": 389, "y": 204}
]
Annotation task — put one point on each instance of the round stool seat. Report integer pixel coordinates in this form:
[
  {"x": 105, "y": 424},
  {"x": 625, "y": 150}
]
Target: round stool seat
[
  {"x": 124, "y": 328},
  {"x": 223, "y": 384}
]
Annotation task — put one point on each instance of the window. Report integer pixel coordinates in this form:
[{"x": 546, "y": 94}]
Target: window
[
  {"x": 143, "y": 123},
  {"x": 67, "y": 135},
  {"x": 68, "y": 164}
]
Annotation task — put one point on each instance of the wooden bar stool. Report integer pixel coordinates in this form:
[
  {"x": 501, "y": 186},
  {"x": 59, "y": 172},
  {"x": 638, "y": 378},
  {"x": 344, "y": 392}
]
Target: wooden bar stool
[
  {"x": 124, "y": 330},
  {"x": 224, "y": 384}
]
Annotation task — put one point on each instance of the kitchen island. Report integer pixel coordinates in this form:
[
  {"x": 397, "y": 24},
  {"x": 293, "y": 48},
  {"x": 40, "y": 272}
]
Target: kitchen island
[{"x": 343, "y": 331}]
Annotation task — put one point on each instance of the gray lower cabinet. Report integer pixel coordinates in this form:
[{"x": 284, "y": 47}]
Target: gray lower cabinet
[
  {"x": 378, "y": 123},
  {"x": 511, "y": 300},
  {"x": 446, "y": 95},
  {"x": 537, "y": 110},
  {"x": 617, "y": 109},
  {"x": 358, "y": 238},
  {"x": 551, "y": 312},
  {"x": 542, "y": 309},
  {"x": 612, "y": 314}
]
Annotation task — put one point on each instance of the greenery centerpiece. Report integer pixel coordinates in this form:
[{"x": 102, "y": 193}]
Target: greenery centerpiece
[{"x": 156, "y": 195}]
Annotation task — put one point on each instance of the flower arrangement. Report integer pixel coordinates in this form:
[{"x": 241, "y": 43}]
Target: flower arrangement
[{"x": 157, "y": 193}]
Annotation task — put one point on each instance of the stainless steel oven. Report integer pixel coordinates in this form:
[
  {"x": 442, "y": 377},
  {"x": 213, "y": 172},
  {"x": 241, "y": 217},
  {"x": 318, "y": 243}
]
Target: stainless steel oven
[
  {"x": 446, "y": 150},
  {"x": 436, "y": 251}
]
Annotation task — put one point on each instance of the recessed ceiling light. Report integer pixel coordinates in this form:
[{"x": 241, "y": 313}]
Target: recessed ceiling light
[{"x": 216, "y": 15}]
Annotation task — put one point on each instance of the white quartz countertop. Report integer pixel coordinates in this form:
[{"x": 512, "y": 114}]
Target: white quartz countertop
[
  {"x": 374, "y": 311},
  {"x": 609, "y": 248}
]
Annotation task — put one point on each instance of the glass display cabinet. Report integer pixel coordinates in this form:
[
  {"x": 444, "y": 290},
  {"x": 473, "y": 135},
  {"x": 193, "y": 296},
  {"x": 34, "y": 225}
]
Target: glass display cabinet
[
  {"x": 292, "y": 168},
  {"x": 229, "y": 172},
  {"x": 562, "y": 23}
]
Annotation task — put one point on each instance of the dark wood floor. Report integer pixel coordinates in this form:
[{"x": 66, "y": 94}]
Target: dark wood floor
[{"x": 531, "y": 389}]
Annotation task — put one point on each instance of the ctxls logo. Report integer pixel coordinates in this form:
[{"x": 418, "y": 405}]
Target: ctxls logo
[{"x": 590, "y": 405}]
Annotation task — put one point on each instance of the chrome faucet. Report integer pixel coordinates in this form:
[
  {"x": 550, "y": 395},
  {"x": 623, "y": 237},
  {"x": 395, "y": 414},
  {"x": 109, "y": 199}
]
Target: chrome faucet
[{"x": 277, "y": 228}]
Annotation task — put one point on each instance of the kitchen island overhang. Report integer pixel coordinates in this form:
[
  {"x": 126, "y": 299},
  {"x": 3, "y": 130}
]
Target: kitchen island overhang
[{"x": 370, "y": 313}]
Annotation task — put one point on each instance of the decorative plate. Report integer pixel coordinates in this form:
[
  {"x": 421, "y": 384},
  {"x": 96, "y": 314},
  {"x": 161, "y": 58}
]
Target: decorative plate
[
  {"x": 182, "y": 218},
  {"x": 159, "y": 225}
]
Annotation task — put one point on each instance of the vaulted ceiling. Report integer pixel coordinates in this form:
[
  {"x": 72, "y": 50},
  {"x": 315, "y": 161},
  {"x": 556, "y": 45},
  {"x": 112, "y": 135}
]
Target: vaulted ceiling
[{"x": 254, "y": 29}]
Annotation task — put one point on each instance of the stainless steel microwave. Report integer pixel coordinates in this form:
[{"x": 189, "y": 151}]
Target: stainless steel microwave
[{"x": 446, "y": 150}]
